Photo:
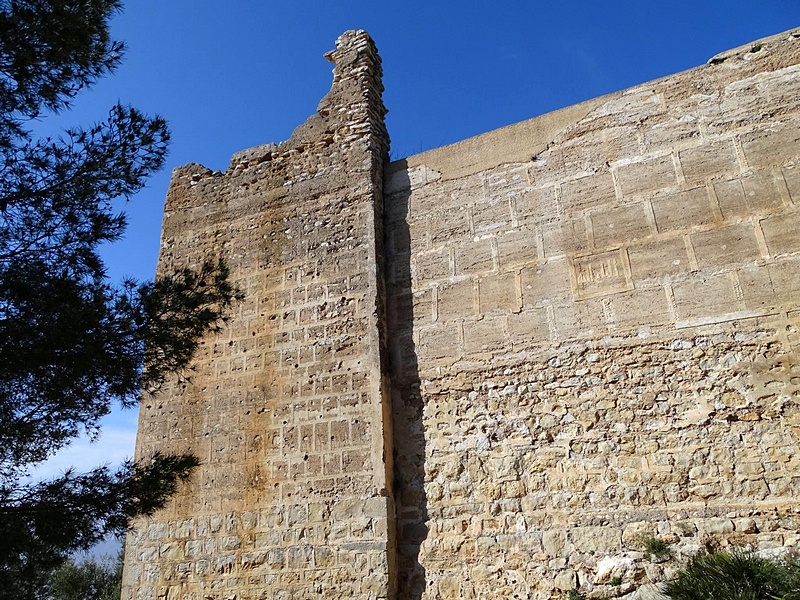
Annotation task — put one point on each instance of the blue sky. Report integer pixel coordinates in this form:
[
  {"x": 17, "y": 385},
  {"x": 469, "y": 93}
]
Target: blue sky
[{"x": 230, "y": 75}]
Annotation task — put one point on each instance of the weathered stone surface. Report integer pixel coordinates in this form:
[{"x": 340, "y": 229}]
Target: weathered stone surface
[
  {"x": 589, "y": 368},
  {"x": 623, "y": 364},
  {"x": 285, "y": 408}
]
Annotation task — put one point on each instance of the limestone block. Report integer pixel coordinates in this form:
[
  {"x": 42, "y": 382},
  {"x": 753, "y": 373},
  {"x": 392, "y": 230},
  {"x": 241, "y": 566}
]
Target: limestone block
[
  {"x": 455, "y": 300},
  {"x": 565, "y": 580},
  {"x": 613, "y": 567},
  {"x": 615, "y": 226},
  {"x": 473, "y": 258},
  {"x": 772, "y": 145},
  {"x": 516, "y": 248},
  {"x": 598, "y": 539},
  {"x": 498, "y": 293},
  {"x": 491, "y": 216},
  {"x": 545, "y": 282},
  {"x": 705, "y": 296},
  {"x": 596, "y": 190},
  {"x": 708, "y": 161},
  {"x": 714, "y": 526},
  {"x": 529, "y": 326},
  {"x": 445, "y": 225},
  {"x": 554, "y": 541},
  {"x": 780, "y": 232},
  {"x": 683, "y": 210},
  {"x": 657, "y": 258},
  {"x": 647, "y": 176},
  {"x": 432, "y": 266},
  {"x": 484, "y": 335},
  {"x": 726, "y": 245},
  {"x": 565, "y": 236},
  {"x": 537, "y": 204}
]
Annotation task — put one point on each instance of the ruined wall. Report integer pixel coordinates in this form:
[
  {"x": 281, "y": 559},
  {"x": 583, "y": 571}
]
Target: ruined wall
[
  {"x": 590, "y": 347},
  {"x": 285, "y": 405},
  {"x": 594, "y": 336}
]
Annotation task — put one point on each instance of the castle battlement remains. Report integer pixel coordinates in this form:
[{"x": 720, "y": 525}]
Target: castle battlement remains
[{"x": 498, "y": 369}]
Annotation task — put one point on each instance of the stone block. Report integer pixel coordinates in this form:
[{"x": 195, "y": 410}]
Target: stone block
[
  {"x": 596, "y": 538},
  {"x": 498, "y": 293},
  {"x": 554, "y": 541},
  {"x": 772, "y": 145},
  {"x": 683, "y": 210},
  {"x": 658, "y": 258},
  {"x": 705, "y": 296},
  {"x": 537, "y": 205},
  {"x": 647, "y": 176},
  {"x": 734, "y": 244},
  {"x": 340, "y": 434},
  {"x": 784, "y": 276},
  {"x": 545, "y": 282},
  {"x": 781, "y": 233},
  {"x": 580, "y": 320},
  {"x": 516, "y": 248},
  {"x": 638, "y": 308},
  {"x": 491, "y": 216},
  {"x": 756, "y": 288},
  {"x": 431, "y": 266},
  {"x": 709, "y": 160},
  {"x": 587, "y": 192},
  {"x": 566, "y": 236},
  {"x": 485, "y": 335},
  {"x": 439, "y": 342},
  {"x": 474, "y": 257},
  {"x": 529, "y": 327},
  {"x": 420, "y": 309},
  {"x": 447, "y": 225},
  {"x": 456, "y": 300},
  {"x": 616, "y": 226}
]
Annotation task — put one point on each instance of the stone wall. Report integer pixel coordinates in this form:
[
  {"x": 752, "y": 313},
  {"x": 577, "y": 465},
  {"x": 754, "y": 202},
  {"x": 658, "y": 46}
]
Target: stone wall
[
  {"x": 594, "y": 336},
  {"x": 285, "y": 406},
  {"x": 590, "y": 348}
]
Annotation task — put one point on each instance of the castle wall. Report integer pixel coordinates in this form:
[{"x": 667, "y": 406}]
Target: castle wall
[
  {"x": 285, "y": 405},
  {"x": 594, "y": 336},
  {"x": 590, "y": 347}
]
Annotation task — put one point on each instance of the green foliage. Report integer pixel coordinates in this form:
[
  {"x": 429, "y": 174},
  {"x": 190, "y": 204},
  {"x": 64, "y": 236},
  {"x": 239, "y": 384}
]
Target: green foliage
[
  {"x": 616, "y": 580},
  {"x": 755, "y": 48},
  {"x": 72, "y": 344},
  {"x": 655, "y": 546},
  {"x": 49, "y": 51},
  {"x": 87, "y": 580},
  {"x": 735, "y": 575},
  {"x": 574, "y": 594}
]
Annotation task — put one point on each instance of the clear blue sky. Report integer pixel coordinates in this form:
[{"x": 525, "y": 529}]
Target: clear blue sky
[{"x": 234, "y": 74}]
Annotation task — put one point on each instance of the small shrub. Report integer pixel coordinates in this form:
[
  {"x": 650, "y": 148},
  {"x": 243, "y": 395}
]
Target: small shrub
[
  {"x": 656, "y": 547},
  {"x": 755, "y": 48},
  {"x": 617, "y": 580},
  {"x": 735, "y": 575},
  {"x": 574, "y": 594}
]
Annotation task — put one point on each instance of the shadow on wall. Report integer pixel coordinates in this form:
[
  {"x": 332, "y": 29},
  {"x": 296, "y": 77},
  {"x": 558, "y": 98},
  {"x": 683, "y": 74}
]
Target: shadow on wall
[{"x": 407, "y": 405}]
